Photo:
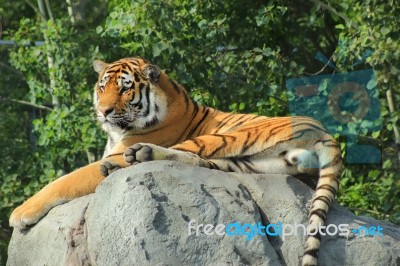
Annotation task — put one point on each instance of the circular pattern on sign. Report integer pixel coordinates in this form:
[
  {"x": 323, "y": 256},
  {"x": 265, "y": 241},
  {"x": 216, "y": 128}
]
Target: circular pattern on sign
[{"x": 358, "y": 94}]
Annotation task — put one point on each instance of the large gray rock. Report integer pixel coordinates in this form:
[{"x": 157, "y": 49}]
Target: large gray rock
[{"x": 140, "y": 215}]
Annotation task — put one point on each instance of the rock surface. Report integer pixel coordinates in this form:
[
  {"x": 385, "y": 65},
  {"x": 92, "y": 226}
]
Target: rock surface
[{"x": 140, "y": 215}]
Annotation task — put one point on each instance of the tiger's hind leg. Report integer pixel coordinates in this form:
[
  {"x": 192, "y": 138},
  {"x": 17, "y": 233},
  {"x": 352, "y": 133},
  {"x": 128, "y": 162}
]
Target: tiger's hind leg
[{"x": 295, "y": 162}]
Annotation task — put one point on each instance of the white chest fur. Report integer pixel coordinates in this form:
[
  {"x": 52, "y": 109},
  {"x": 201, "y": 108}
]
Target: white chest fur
[{"x": 114, "y": 136}]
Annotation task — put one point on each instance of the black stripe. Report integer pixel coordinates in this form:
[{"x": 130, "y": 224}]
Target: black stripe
[
  {"x": 326, "y": 142},
  {"x": 326, "y": 176},
  {"x": 310, "y": 125},
  {"x": 175, "y": 85},
  {"x": 111, "y": 71},
  {"x": 223, "y": 145},
  {"x": 200, "y": 131},
  {"x": 230, "y": 168},
  {"x": 199, "y": 145},
  {"x": 239, "y": 117},
  {"x": 235, "y": 124},
  {"x": 312, "y": 252},
  {"x": 253, "y": 117},
  {"x": 152, "y": 122},
  {"x": 186, "y": 101},
  {"x": 250, "y": 144},
  {"x": 134, "y": 62},
  {"x": 182, "y": 149},
  {"x": 200, "y": 122},
  {"x": 129, "y": 67},
  {"x": 225, "y": 136},
  {"x": 323, "y": 198},
  {"x": 195, "y": 110},
  {"x": 141, "y": 86},
  {"x": 114, "y": 65},
  {"x": 139, "y": 103},
  {"x": 250, "y": 166},
  {"x": 223, "y": 122},
  {"x": 196, "y": 107},
  {"x": 301, "y": 133},
  {"x": 235, "y": 162},
  {"x": 277, "y": 128},
  {"x": 334, "y": 162},
  {"x": 333, "y": 176},
  {"x": 317, "y": 236},
  {"x": 288, "y": 164},
  {"x": 213, "y": 165},
  {"x": 321, "y": 213},
  {"x": 146, "y": 113},
  {"x": 328, "y": 187},
  {"x": 246, "y": 142},
  {"x": 136, "y": 76}
]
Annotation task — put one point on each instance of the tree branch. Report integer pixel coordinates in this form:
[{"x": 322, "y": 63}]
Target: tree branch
[
  {"x": 322, "y": 69},
  {"x": 49, "y": 11},
  {"x": 334, "y": 11},
  {"x": 70, "y": 12},
  {"x": 41, "y": 107},
  {"x": 36, "y": 9}
]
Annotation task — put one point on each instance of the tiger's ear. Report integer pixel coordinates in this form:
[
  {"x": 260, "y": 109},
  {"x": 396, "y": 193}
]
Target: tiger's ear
[
  {"x": 152, "y": 73},
  {"x": 99, "y": 66}
]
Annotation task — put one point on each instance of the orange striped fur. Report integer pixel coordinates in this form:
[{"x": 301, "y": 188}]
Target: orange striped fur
[{"x": 148, "y": 116}]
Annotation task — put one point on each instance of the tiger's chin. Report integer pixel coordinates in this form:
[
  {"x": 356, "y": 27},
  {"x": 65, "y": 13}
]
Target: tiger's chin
[
  {"x": 109, "y": 126},
  {"x": 121, "y": 124}
]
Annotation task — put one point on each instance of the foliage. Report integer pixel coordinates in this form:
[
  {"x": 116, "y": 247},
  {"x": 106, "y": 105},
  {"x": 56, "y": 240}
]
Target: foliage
[{"x": 233, "y": 55}]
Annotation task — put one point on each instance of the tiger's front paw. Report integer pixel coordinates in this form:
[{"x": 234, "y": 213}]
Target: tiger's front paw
[
  {"x": 108, "y": 167},
  {"x": 139, "y": 153},
  {"x": 28, "y": 214}
]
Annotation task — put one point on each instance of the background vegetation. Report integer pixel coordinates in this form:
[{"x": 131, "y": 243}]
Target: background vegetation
[{"x": 233, "y": 55}]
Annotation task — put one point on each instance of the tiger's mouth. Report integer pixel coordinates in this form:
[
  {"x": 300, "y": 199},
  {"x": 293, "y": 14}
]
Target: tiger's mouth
[{"x": 120, "y": 121}]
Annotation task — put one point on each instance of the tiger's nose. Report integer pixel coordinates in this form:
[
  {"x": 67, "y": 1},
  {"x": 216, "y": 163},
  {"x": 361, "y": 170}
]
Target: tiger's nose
[{"x": 106, "y": 110}]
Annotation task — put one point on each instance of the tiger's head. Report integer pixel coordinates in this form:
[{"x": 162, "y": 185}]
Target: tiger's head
[{"x": 128, "y": 95}]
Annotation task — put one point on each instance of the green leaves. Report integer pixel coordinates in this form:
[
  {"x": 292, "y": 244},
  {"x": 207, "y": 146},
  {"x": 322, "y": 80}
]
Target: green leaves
[
  {"x": 158, "y": 48},
  {"x": 385, "y": 30}
]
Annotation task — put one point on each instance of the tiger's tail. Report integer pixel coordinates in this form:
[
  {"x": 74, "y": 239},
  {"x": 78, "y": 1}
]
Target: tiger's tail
[{"x": 330, "y": 164}]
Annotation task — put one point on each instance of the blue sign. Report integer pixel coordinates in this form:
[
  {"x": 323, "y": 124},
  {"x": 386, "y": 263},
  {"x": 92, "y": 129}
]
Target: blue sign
[{"x": 345, "y": 103}]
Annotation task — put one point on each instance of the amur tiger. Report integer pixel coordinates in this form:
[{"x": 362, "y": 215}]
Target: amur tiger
[{"x": 148, "y": 116}]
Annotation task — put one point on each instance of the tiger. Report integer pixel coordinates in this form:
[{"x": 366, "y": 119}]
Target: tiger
[{"x": 149, "y": 116}]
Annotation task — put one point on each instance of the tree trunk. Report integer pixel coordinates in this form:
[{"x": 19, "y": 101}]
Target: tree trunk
[
  {"x": 50, "y": 59},
  {"x": 396, "y": 131}
]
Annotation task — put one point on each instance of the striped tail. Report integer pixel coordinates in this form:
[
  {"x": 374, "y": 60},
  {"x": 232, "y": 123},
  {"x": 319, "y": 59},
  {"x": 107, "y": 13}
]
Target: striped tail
[{"x": 330, "y": 162}]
